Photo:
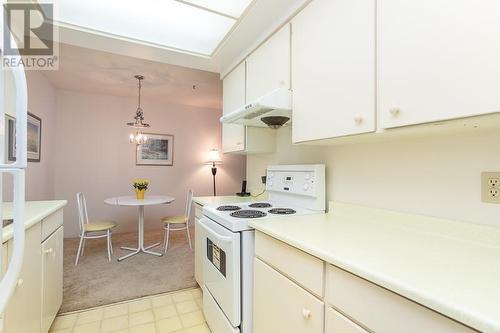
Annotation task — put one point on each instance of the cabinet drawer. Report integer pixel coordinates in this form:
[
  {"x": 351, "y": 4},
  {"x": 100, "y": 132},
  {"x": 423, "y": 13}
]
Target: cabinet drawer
[
  {"x": 280, "y": 305},
  {"x": 51, "y": 223},
  {"x": 305, "y": 269},
  {"x": 338, "y": 323},
  {"x": 198, "y": 209},
  {"x": 381, "y": 310}
]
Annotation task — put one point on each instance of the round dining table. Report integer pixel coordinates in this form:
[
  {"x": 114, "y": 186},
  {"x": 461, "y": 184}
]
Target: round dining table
[{"x": 140, "y": 203}]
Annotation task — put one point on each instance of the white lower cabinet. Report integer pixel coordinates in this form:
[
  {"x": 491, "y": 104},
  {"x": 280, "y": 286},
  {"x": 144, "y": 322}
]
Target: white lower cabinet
[
  {"x": 199, "y": 248},
  {"x": 22, "y": 314},
  {"x": 280, "y": 305},
  {"x": 52, "y": 277},
  {"x": 338, "y": 323}
]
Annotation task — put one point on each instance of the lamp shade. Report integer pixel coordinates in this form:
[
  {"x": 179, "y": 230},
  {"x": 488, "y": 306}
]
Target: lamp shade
[{"x": 214, "y": 156}]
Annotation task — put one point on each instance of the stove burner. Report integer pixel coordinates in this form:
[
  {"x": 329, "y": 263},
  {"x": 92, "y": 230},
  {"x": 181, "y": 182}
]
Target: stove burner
[
  {"x": 228, "y": 208},
  {"x": 248, "y": 214},
  {"x": 260, "y": 205},
  {"x": 282, "y": 211}
]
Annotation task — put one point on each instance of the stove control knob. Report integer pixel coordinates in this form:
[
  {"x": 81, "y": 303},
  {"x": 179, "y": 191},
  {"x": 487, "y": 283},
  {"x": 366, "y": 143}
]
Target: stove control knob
[
  {"x": 308, "y": 176},
  {"x": 271, "y": 174},
  {"x": 306, "y": 186},
  {"x": 270, "y": 182}
]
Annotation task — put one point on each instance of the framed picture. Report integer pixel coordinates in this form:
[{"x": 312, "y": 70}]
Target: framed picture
[
  {"x": 158, "y": 150},
  {"x": 34, "y": 138},
  {"x": 34, "y": 133}
]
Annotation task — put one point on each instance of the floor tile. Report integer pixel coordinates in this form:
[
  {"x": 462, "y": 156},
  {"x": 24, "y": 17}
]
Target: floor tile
[
  {"x": 169, "y": 325},
  {"x": 139, "y": 318},
  {"x": 64, "y": 330},
  {"x": 161, "y": 300},
  {"x": 197, "y": 293},
  {"x": 115, "y": 310},
  {"x": 89, "y": 316},
  {"x": 186, "y": 307},
  {"x": 113, "y": 324},
  {"x": 192, "y": 319},
  {"x": 140, "y": 305},
  {"x": 182, "y": 296},
  {"x": 67, "y": 321},
  {"x": 198, "y": 329},
  {"x": 165, "y": 312},
  {"x": 94, "y": 327},
  {"x": 146, "y": 328}
]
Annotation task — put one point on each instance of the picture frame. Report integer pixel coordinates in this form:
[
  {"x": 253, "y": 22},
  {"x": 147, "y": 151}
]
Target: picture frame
[
  {"x": 157, "y": 151},
  {"x": 34, "y": 138}
]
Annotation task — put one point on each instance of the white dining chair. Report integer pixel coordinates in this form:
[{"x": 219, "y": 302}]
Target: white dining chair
[
  {"x": 178, "y": 222},
  {"x": 91, "y": 230}
]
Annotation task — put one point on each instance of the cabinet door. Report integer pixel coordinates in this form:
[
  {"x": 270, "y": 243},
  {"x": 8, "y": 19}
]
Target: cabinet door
[
  {"x": 337, "y": 323},
  {"x": 199, "y": 250},
  {"x": 233, "y": 135},
  {"x": 282, "y": 306},
  {"x": 24, "y": 308},
  {"x": 268, "y": 67},
  {"x": 52, "y": 277},
  {"x": 333, "y": 69},
  {"x": 437, "y": 59}
]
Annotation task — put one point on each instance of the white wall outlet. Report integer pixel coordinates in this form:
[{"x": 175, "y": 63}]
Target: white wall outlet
[{"x": 490, "y": 187}]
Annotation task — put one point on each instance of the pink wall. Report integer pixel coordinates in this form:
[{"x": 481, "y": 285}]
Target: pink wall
[
  {"x": 40, "y": 176},
  {"x": 95, "y": 157}
]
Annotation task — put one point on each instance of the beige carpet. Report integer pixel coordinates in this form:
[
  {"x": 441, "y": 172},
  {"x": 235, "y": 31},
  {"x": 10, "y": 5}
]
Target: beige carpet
[{"x": 95, "y": 281}]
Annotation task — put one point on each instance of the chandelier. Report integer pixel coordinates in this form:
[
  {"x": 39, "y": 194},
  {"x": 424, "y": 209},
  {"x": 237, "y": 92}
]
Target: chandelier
[{"x": 138, "y": 137}]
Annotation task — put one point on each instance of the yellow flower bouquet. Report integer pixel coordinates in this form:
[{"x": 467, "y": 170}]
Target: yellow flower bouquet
[{"x": 140, "y": 185}]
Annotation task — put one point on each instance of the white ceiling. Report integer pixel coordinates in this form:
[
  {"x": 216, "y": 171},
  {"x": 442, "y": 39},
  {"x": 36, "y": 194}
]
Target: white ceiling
[
  {"x": 94, "y": 71},
  {"x": 257, "y": 22}
]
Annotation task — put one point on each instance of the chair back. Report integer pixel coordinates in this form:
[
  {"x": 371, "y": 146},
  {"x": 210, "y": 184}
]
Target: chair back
[
  {"x": 83, "y": 216},
  {"x": 189, "y": 203}
]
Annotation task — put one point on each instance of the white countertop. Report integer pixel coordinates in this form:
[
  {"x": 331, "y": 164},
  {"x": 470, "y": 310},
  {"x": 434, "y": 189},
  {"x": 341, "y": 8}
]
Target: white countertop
[
  {"x": 34, "y": 212},
  {"x": 450, "y": 267},
  {"x": 224, "y": 200}
]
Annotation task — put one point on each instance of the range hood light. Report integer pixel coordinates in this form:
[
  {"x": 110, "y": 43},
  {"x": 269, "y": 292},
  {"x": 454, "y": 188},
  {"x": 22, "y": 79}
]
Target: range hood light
[{"x": 275, "y": 122}]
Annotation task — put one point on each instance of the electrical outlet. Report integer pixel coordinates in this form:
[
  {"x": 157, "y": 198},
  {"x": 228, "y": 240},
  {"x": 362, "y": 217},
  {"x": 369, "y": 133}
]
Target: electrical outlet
[{"x": 490, "y": 187}]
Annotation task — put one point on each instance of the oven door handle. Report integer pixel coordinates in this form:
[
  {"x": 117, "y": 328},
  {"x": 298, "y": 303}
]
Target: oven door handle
[{"x": 220, "y": 238}]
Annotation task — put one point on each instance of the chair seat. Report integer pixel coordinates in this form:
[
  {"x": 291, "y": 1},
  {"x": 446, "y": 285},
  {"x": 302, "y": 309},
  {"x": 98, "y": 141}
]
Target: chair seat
[
  {"x": 179, "y": 219},
  {"x": 99, "y": 226}
]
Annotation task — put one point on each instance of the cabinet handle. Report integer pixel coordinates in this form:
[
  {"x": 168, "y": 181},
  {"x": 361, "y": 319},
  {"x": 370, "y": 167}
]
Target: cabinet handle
[
  {"x": 358, "y": 119},
  {"x": 20, "y": 282},
  {"x": 49, "y": 251},
  {"x": 394, "y": 112},
  {"x": 306, "y": 313}
]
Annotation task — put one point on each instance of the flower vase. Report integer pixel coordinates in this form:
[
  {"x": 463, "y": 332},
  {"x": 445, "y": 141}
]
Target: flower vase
[{"x": 139, "y": 194}]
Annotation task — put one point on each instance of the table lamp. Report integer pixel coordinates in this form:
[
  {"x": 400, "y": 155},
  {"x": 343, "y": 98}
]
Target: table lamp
[{"x": 214, "y": 158}]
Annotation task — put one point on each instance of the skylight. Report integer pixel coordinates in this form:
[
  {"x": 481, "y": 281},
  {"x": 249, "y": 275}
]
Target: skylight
[{"x": 195, "y": 26}]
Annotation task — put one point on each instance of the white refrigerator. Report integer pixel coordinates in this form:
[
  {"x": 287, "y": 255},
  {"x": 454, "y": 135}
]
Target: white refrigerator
[{"x": 13, "y": 101}]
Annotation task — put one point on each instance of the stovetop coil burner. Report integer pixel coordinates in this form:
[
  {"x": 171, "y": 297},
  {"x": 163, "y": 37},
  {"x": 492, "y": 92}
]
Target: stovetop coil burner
[
  {"x": 260, "y": 205},
  {"x": 226, "y": 208},
  {"x": 248, "y": 214},
  {"x": 282, "y": 211}
]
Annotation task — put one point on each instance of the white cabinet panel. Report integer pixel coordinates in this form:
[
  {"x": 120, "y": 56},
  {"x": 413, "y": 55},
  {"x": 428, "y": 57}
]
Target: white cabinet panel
[
  {"x": 268, "y": 67},
  {"x": 23, "y": 311},
  {"x": 282, "y": 306},
  {"x": 333, "y": 69},
  {"x": 437, "y": 59},
  {"x": 52, "y": 277},
  {"x": 337, "y": 323},
  {"x": 233, "y": 86},
  {"x": 199, "y": 252}
]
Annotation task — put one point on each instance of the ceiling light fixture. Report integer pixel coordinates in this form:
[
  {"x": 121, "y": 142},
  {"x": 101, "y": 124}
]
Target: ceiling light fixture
[{"x": 138, "y": 137}]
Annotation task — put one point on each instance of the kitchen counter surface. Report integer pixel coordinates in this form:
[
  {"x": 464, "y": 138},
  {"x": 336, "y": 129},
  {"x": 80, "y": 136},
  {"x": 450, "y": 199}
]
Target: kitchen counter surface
[
  {"x": 34, "y": 212},
  {"x": 224, "y": 200},
  {"x": 450, "y": 267}
]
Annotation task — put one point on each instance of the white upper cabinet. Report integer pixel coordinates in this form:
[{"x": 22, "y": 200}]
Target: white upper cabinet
[
  {"x": 437, "y": 60},
  {"x": 268, "y": 67},
  {"x": 333, "y": 69},
  {"x": 233, "y": 86}
]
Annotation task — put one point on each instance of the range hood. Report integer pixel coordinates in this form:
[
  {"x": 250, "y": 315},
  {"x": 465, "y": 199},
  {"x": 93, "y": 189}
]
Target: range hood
[{"x": 274, "y": 107}]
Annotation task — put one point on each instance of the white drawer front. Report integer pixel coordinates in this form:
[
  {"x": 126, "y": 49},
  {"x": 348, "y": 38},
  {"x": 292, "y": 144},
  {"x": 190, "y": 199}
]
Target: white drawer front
[
  {"x": 337, "y": 323},
  {"x": 51, "y": 223},
  {"x": 381, "y": 310},
  {"x": 280, "y": 305},
  {"x": 305, "y": 269},
  {"x": 198, "y": 211}
]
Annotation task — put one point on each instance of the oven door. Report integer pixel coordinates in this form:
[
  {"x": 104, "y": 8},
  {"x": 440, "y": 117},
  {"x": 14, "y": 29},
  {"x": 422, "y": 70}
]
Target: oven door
[{"x": 221, "y": 268}]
